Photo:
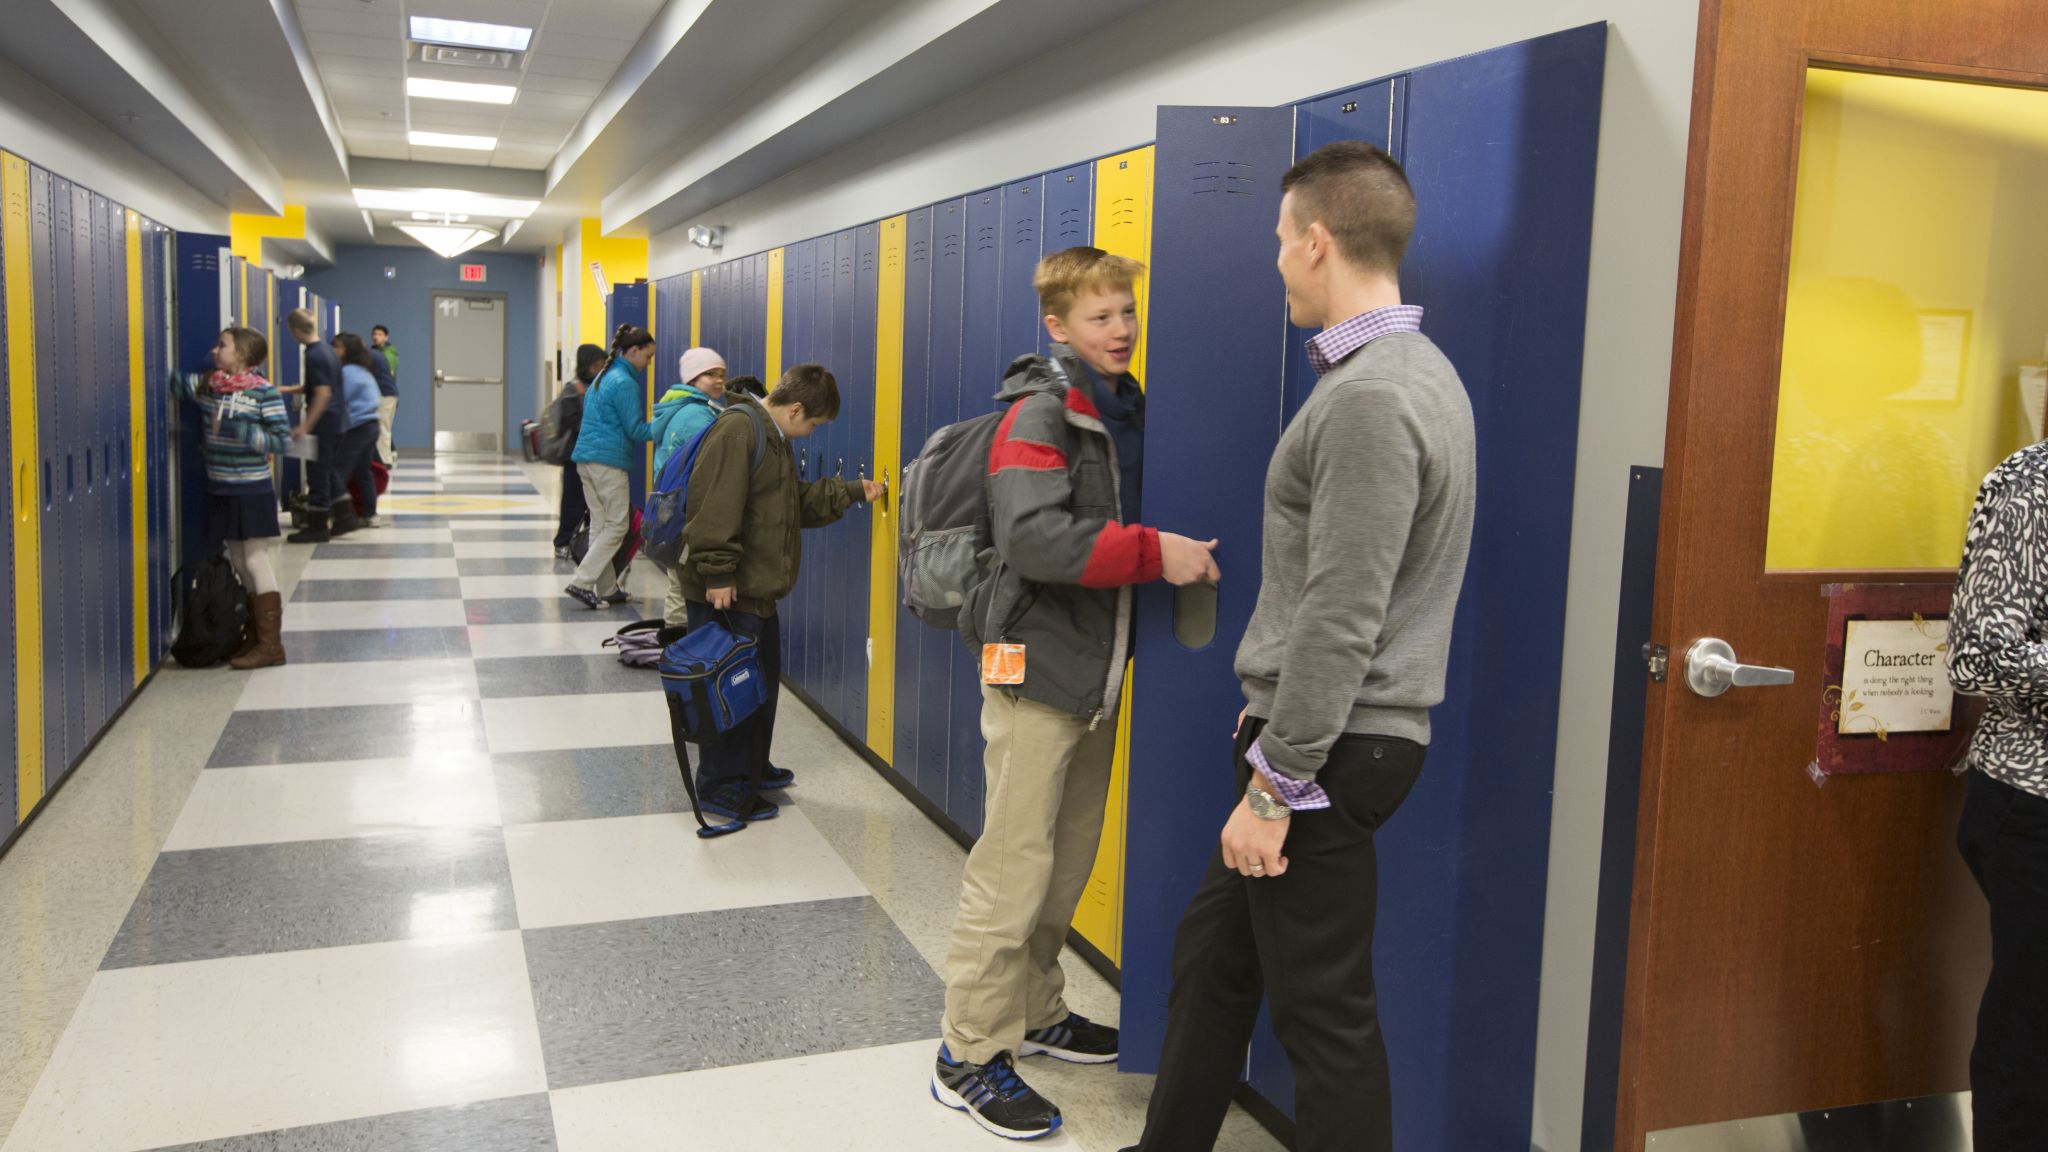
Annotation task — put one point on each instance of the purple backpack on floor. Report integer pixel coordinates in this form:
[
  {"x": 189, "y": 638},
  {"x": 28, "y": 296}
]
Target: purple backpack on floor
[{"x": 640, "y": 643}]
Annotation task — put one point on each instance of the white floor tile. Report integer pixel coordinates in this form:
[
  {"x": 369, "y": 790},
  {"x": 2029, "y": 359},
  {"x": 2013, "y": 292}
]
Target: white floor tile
[
  {"x": 488, "y": 641},
  {"x": 335, "y": 615},
  {"x": 410, "y": 682},
  {"x": 515, "y": 587},
  {"x": 395, "y": 536},
  {"x": 586, "y": 871},
  {"x": 179, "y": 1053},
  {"x": 379, "y": 569},
  {"x": 595, "y": 720},
  {"x": 486, "y": 524},
  {"x": 460, "y": 504},
  {"x": 868, "y": 1100},
  {"x": 271, "y": 804},
  {"x": 504, "y": 549}
]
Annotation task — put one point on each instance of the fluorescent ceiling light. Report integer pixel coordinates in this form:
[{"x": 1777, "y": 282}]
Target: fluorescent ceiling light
[
  {"x": 444, "y": 200},
  {"x": 465, "y": 34},
  {"x": 451, "y": 140},
  {"x": 447, "y": 240},
  {"x": 424, "y": 89}
]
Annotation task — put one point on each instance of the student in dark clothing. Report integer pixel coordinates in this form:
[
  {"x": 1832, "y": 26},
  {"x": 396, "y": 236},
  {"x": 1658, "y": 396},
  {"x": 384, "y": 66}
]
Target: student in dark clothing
[
  {"x": 325, "y": 420},
  {"x": 384, "y": 366},
  {"x": 589, "y": 358}
]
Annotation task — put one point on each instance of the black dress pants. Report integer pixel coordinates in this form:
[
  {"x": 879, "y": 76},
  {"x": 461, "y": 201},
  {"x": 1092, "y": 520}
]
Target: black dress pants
[
  {"x": 2003, "y": 837},
  {"x": 574, "y": 510},
  {"x": 1303, "y": 940},
  {"x": 741, "y": 754}
]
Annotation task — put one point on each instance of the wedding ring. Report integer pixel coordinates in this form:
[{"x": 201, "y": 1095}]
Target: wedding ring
[{"x": 1258, "y": 867}]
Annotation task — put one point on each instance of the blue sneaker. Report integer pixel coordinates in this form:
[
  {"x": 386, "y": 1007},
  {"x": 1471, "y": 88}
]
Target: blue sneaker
[
  {"x": 584, "y": 596},
  {"x": 995, "y": 1096},
  {"x": 1077, "y": 1040},
  {"x": 732, "y": 802},
  {"x": 776, "y": 779}
]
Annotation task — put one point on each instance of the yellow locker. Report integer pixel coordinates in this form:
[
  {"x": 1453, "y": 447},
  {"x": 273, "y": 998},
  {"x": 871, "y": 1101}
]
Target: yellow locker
[
  {"x": 888, "y": 462},
  {"x": 1123, "y": 226},
  {"x": 28, "y": 562},
  {"x": 137, "y": 448},
  {"x": 773, "y": 361}
]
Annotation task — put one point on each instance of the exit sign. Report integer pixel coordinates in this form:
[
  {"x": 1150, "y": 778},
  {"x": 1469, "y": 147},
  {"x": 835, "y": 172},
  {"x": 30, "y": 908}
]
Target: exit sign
[{"x": 473, "y": 273}]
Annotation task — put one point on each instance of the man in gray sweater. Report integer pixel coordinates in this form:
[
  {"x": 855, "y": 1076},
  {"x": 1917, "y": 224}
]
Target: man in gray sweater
[{"x": 1368, "y": 519}]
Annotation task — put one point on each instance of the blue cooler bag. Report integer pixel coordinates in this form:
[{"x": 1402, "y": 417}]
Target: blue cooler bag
[{"x": 712, "y": 679}]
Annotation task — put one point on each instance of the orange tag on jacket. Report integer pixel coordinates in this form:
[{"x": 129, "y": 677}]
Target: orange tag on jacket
[{"x": 1002, "y": 663}]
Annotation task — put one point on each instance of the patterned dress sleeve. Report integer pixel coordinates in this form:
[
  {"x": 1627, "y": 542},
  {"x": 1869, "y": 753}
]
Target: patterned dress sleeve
[{"x": 1994, "y": 648}]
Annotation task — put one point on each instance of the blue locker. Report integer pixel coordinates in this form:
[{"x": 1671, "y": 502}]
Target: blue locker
[
  {"x": 857, "y": 414},
  {"x": 800, "y": 263},
  {"x": 817, "y": 652},
  {"x": 1023, "y": 246},
  {"x": 1069, "y": 207},
  {"x": 1372, "y": 113},
  {"x": 50, "y": 212},
  {"x": 839, "y": 570},
  {"x": 204, "y": 290},
  {"x": 155, "y": 435},
  {"x": 629, "y": 304},
  {"x": 758, "y": 346},
  {"x": 1499, "y": 259},
  {"x": 1216, "y": 196},
  {"x": 980, "y": 376},
  {"x": 86, "y": 573},
  {"x": 942, "y": 652},
  {"x": 910, "y": 631},
  {"x": 120, "y": 472},
  {"x": 793, "y": 258}
]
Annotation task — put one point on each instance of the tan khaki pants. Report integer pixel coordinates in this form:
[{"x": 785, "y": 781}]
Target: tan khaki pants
[
  {"x": 675, "y": 609},
  {"x": 387, "y": 411},
  {"x": 604, "y": 489},
  {"x": 1048, "y": 777}
]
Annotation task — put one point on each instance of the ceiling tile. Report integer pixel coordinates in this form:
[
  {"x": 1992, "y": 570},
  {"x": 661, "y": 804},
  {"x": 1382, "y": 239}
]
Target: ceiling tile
[
  {"x": 604, "y": 17},
  {"x": 440, "y": 116},
  {"x": 452, "y": 156},
  {"x": 378, "y": 149},
  {"x": 522, "y": 13},
  {"x": 351, "y": 89},
  {"x": 562, "y": 85},
  {"x": 336, "y": 44},
  {"x": 525, "y": 163},
  {"x": 389, "y": 69},
  {"x": 356, "y": 20},
  {"x": 544, "y": 64},
  {"x": 581, "y": 47}
]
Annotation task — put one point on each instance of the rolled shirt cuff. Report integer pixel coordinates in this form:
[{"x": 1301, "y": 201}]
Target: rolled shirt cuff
[{"x": 1300, "y": 795}]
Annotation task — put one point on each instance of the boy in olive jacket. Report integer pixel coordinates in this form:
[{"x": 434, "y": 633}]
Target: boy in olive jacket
[{"x": 745, "y": 509}]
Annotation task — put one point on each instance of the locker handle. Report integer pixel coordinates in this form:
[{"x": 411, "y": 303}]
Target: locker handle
[
  {"x": 49, "y": 488},
  {"x": 1194, "y": 616},
  {"x": 70, "y": 475}
]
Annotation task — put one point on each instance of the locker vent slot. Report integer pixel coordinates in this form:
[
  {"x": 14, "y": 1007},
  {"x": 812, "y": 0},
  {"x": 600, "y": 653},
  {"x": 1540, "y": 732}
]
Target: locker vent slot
[{"x": 1194, "y": 616}]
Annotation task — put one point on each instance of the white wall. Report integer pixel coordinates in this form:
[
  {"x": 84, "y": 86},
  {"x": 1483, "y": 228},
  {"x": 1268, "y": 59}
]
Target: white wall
[
  {"x": 44, "y": 128},
  {"x": 1100, "y": 96}
]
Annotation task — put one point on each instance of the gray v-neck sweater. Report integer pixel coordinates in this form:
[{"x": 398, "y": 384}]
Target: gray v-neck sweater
[{"x": 1368, "y": 521}]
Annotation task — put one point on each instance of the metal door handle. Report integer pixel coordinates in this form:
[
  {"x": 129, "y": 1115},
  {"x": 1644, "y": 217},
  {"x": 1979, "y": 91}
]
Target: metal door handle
[{"x": 1711, "y": 669}]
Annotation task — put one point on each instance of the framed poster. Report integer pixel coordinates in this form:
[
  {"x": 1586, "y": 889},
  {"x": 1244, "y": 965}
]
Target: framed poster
[{"x": 1887, "y": 705}]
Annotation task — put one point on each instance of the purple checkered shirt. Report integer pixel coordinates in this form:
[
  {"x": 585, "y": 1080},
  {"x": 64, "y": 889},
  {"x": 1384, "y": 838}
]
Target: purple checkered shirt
[{"x": 1326, "y": 350}]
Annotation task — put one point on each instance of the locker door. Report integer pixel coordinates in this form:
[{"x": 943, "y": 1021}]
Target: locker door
[
  {"x": 154, "y": 437},
  {"x": 1069, "y": 208},
  {"x": 767, "y": 271},
  {"x": 1371, "y": 113},
  {"x": 116, "y": 553},
  {"x": 1023, "y": 246},
  {"x": 53, "y": 370},
  {"x": 942, "y": 651},
  {"x": 980, "y": 375},
  {"x": 885, "y": 464},
  {"x": 129, "y": 450},
  {"x": 1216, "y": 197},
  {"x": 795, "y": 267},
  {"x": 857, "y": 413},
  {"x": 839, "y": 571},
  {"x": 11, "y": 237},
  {"x": 911, "y": 633},
  {"x": 84, "y": 578},
  {"x": 819, "y": 651}
]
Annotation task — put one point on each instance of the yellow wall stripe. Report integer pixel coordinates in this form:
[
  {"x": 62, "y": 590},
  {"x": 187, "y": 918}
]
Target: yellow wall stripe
[
  {"x": 138, "y": 466},
  {"x": 888, "y": 450},
  {"x": 696, "y": 309},
  {"x": 774, "y": 360},
  {"x": 28, "y": 560},
  {"x": 1123, "y": 226}
]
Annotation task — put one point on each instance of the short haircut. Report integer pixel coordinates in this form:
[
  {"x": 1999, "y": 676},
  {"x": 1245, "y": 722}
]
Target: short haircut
[
  {"x": 376, "y": 328},
  {"x": 354, "y": 351},
  {"x": 249, "y": 345},
  {"x": 747, "y": 386},
  {"x": 811, "y": 386},
  {"x": 1362, "y": 196},
  {"x": 1064, "y": 276},
  {"x": 301, "y": 321}
]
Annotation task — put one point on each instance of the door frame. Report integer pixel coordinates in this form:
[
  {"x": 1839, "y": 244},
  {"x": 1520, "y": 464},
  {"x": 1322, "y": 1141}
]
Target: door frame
[
  {"x": 505, "y": 386},
  {"x": 1733, "y": 279}
]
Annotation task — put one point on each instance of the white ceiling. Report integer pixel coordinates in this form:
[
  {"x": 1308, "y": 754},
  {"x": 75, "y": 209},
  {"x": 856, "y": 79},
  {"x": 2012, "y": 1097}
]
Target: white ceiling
[{"x": 360, "y": 49}]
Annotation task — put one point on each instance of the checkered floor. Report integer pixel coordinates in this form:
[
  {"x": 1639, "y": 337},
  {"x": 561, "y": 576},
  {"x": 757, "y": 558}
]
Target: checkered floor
[{"x": 437, "y": 888}]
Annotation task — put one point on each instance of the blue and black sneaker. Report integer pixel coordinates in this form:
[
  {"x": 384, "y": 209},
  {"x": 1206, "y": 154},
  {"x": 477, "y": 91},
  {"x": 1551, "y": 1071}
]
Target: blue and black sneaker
[
  {"x": 995, "y": 1096},
  {"x": 776, "y": 778},
  {"x": 733, "y": 802},
  {"x": 1077, "y": 1040}
]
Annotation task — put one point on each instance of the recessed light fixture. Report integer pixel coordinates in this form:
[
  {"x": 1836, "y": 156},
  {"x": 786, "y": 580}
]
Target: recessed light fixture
[
  {"x": 448, "y": 240},
  {"x": 467, "y": 34},
  {"x": 444, "y": 201},
  {"x": 423, "y": 215},
  {"x": 424, "y": 89},
  {"x": 451, "y": 140}
]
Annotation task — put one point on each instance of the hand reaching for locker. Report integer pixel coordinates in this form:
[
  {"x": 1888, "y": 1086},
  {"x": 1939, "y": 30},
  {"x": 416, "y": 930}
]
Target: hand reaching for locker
[
  {"x": 1184, "y": 561},
  {"x": 873, "y": 490}
]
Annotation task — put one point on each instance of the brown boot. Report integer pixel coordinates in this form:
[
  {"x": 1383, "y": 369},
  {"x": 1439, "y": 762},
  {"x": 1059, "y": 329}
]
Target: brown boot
[
  {"x": 269, "y": 649},
  {"x": 249, "y": 637}
]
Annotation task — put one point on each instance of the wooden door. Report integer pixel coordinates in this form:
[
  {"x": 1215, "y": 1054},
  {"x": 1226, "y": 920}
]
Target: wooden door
[{"x": 1794, "y": 946}]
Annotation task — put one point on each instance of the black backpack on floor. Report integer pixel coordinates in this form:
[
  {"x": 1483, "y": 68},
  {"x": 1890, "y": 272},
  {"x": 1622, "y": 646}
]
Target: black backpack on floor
[{"x": 213, "y": 609}]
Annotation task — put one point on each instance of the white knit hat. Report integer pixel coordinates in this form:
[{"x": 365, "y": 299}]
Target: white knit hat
[{"x": 698, "y": 361}]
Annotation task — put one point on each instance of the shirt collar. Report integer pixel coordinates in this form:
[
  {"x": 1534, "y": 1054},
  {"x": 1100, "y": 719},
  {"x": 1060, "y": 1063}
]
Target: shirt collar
[{"x": 1334, "y": 344}]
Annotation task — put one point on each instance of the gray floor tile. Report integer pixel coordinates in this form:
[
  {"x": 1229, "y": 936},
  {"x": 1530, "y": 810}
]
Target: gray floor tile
[
  {"x": 517, "y": 1124},
  {"x": 354, "y": 732},
  {"x": 262, "y": 898},
  {"x": 519, "y": 489},
  {"x": 541, "y": 534},
  {"x": 425, "y": 520},
  {"x": 553, "y": 610},
  {"x": 441, "y": 588},
  {"x": 353, "y": 551},
  {"x": 512, "y": 566},
  {"x": 676, "y": 993},
  {"x": 560, "y": 676},
  {"x": 331, "y": 647},
  {"x": 589, "y": 784}
]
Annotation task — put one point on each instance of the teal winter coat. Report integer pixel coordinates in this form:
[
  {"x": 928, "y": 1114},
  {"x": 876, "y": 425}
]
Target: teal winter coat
[
  {"x": 681, "y": 413},
  {"x": 612, "y": 418}
]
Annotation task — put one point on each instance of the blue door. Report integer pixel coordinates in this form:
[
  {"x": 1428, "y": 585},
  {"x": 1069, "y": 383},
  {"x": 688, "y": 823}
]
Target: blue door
[
  {"x": 942, "y": 651},
  {"x": 912, "y": 635}
]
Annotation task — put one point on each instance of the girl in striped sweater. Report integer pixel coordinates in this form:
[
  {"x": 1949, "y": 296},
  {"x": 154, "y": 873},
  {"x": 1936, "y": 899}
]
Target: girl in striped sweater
[{"x": 244, "y": 422}]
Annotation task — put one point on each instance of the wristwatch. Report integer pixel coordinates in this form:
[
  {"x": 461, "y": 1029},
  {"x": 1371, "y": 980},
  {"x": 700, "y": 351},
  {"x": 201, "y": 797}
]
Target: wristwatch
[{"x": 1264, "y": 805}]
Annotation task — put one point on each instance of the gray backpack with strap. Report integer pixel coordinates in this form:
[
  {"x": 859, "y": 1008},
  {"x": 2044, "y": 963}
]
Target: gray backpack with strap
[{"x": 945, "y": 520}]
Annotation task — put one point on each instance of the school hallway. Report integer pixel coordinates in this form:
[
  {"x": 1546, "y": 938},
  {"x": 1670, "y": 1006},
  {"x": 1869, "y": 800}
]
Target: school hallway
[{"x": 434, "y": 884}]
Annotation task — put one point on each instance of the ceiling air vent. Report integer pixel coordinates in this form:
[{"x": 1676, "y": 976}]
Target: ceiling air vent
[{"x": 465, "y": 57}]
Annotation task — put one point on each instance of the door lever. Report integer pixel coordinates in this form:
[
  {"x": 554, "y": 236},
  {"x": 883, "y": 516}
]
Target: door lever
[{"x": 1711, "y": 669}]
